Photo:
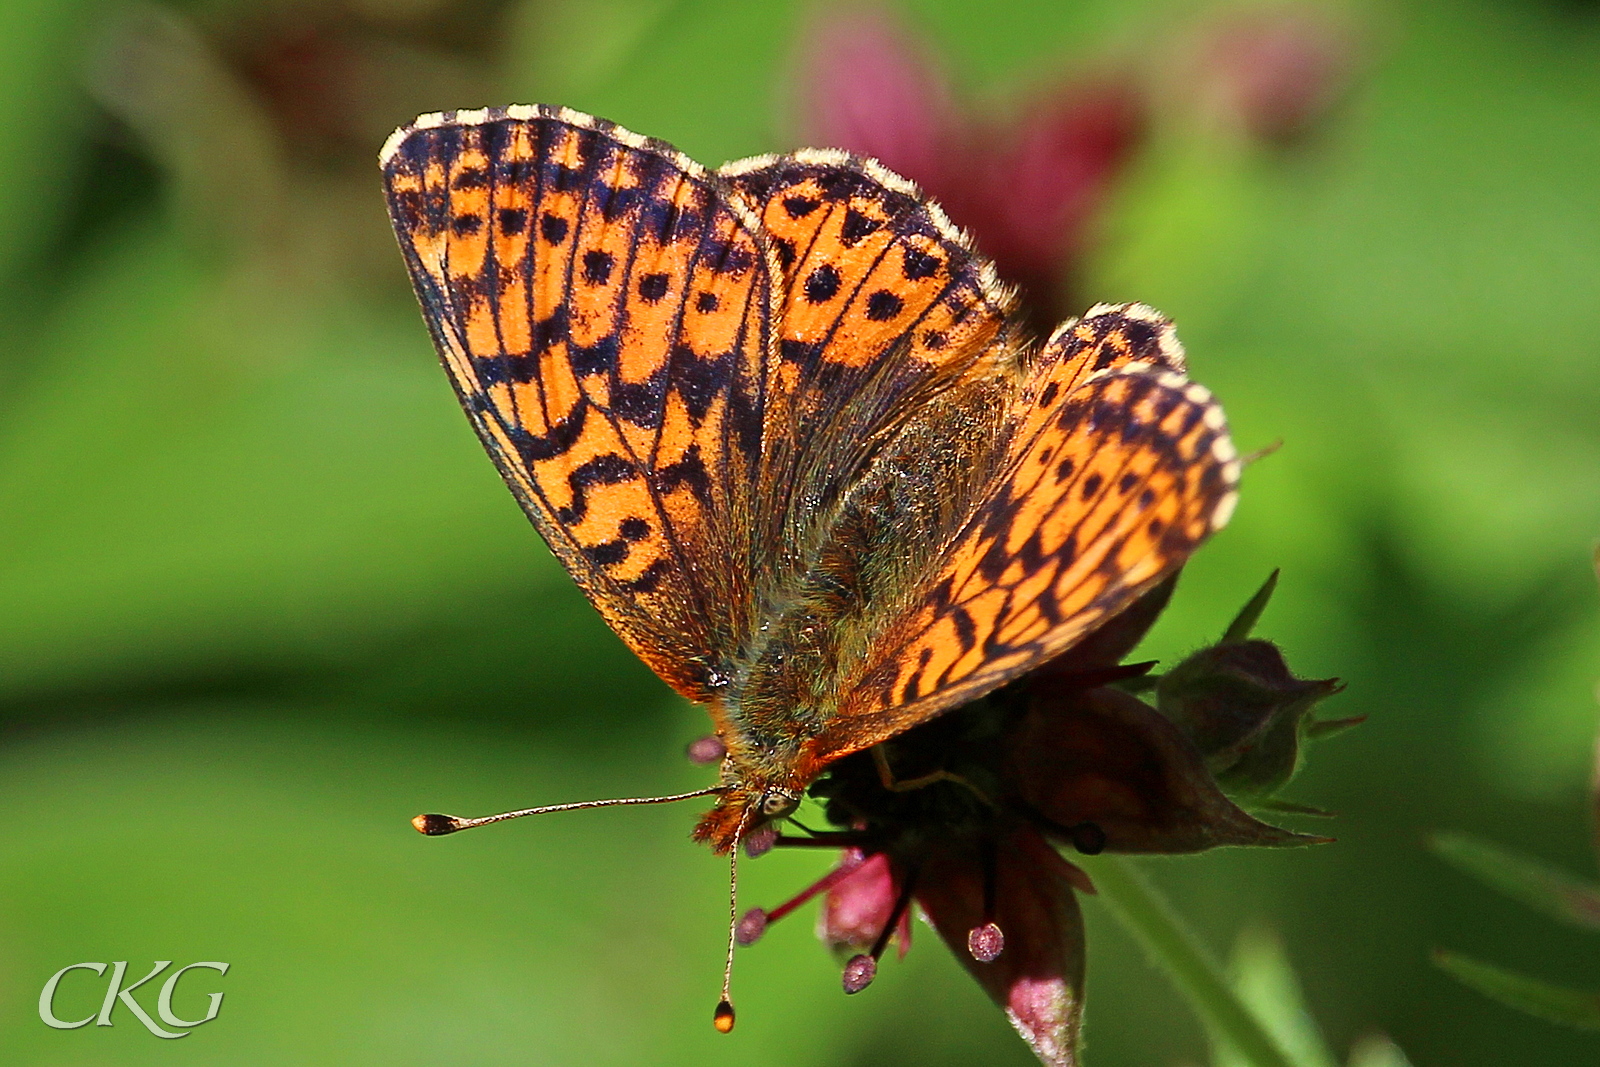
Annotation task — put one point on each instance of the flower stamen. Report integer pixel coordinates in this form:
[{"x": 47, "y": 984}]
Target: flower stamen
[
  {"x": 709, "y": 749},
  {"x": 759, "y": 842},
  {"x": 754, "y": 922},
  {"x": 986, "y": 940},
  {"x": 825, "y": 840}
]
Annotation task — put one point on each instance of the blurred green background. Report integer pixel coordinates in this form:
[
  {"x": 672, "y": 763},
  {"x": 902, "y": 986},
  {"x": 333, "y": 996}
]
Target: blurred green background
[{"x": 262, "y": 598}]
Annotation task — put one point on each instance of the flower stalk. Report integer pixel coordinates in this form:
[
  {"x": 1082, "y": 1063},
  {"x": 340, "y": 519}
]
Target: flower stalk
[{"x": 1173, "y": 947}]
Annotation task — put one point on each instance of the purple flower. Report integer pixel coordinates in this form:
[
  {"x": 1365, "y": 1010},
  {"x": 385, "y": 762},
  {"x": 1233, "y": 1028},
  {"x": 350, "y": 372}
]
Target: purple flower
[
  {"x": 1273, "y": 73},
  {"x": 1027, "y": 188}
]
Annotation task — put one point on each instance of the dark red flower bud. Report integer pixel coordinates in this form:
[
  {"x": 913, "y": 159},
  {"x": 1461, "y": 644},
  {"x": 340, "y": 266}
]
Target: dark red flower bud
[
  {"x": 1245, "y": 711},
  {"x": 1105, "y": 771}
]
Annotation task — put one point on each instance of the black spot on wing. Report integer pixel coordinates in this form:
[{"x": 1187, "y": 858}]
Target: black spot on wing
[
  {"x": 732, "y": 258},
  {"x": 856, "y": 226},
  {"x": 640, "y": 403},
  {"x": 689, "y": 471},
  {"x": 562, "y": 178},
  {"x": 804, "y": 354},
  {"x": 785, "y": 250},
  {"x": 652, "y": 287},
  {"x": 917, "y": 264},
  {"x": 607, "y": 553},
  {"x": 513, "y": 220},
  {"x": 699, "y": 381},
  {"x": 552, "y": 330},
  {"x": 822, "y": 284},
  {"x": 966, "y": 629},
  {"x": 799, "y": 207},
  {"x": 597, "y": 266},
  {"x": 1141, "y": 335},
  {"x": 534, "y": 448},
  {"x": 650, "y": 580},
  {"x": 883, "y": 306},
  {"x": 553, "y": 228}
]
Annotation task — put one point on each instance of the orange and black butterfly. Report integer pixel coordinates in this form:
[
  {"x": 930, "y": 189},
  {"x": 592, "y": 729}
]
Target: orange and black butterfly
[{"x": 784, "y": 428}]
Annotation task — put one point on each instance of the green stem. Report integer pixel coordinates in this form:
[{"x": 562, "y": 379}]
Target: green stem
[{"x": 1141, "y": 908}]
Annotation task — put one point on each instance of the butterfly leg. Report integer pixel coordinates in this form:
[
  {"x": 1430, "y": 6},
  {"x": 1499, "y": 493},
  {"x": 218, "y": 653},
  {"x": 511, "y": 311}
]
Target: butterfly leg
[{"x": 880, "y": 759}]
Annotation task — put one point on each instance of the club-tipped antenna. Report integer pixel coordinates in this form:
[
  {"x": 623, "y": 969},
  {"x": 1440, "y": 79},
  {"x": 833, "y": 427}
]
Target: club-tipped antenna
[
  {"x": 723, "y": 1018},
  {"x": 435, "y": 825}
]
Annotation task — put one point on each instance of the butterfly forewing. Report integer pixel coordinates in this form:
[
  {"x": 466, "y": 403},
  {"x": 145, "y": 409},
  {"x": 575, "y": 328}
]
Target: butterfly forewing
[
  {"x": 884, "y": 305},
  {"x": 604, "y": 311}
]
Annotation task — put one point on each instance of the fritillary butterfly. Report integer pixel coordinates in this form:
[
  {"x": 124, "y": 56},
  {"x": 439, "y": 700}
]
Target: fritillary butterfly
[{"x": 782, "y": 425}]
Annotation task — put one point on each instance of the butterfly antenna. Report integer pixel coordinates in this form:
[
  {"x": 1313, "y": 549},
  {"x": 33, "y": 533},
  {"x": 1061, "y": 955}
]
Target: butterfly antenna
[
  {"x": 723, "y": 1019},
  {"x": 435, "y": 825},
  {"x": 1251, "y": 458}
]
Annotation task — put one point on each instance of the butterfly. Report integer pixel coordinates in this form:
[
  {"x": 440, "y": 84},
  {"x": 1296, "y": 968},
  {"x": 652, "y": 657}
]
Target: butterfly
[{"x": 784, "y": 427}]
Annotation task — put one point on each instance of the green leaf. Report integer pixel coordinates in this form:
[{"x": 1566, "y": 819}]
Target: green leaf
[
  {"x": 564, "y": 49},
  {"x": 42, "y": 117},
  {"x": 1322, "y": 729},
  {"x": 1570, "y": 1007},
  {"x": 1265, "y": 981},
  {"x": 1376, "y": 1050},
  {"x": 1289, "y": 807},
  {"x": 1535, "y": 883},
  {"x": 1239, "y": 629}
]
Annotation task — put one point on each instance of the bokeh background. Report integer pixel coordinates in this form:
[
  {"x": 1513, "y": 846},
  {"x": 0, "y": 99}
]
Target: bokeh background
[{"x": 262, "y": 598}]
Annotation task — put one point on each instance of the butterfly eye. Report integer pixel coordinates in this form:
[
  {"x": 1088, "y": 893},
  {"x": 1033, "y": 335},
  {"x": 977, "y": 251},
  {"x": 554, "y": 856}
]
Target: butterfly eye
[{"x": 775, "y": 805}]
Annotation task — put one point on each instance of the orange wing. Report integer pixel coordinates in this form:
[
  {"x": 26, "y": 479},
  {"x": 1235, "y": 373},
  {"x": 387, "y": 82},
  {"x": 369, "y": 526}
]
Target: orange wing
[
  {"x": 777, "y": 423},
  {"x": 1118, "y": 468},
  {"x": 603, "y": 308},
  {"x": 884, "y": 306}
]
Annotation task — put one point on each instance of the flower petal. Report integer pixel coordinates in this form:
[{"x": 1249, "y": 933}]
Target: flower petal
[
  {"x": 866, "y": 87},
  {"x": 855, "y": 910},
  {"x": 1029, "y": 193},
  {"x": 1106, "y": 760},
  {"x": 1069, "y": 147},
  {"x": 1038, "y": 976},
  {"x": 1274, "y": 73}
]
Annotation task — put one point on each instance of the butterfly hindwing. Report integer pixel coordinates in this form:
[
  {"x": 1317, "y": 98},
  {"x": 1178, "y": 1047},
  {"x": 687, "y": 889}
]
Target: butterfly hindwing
[
  {"x": 603, "y": 309},
  {"x": 1118, "y": 468}
]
